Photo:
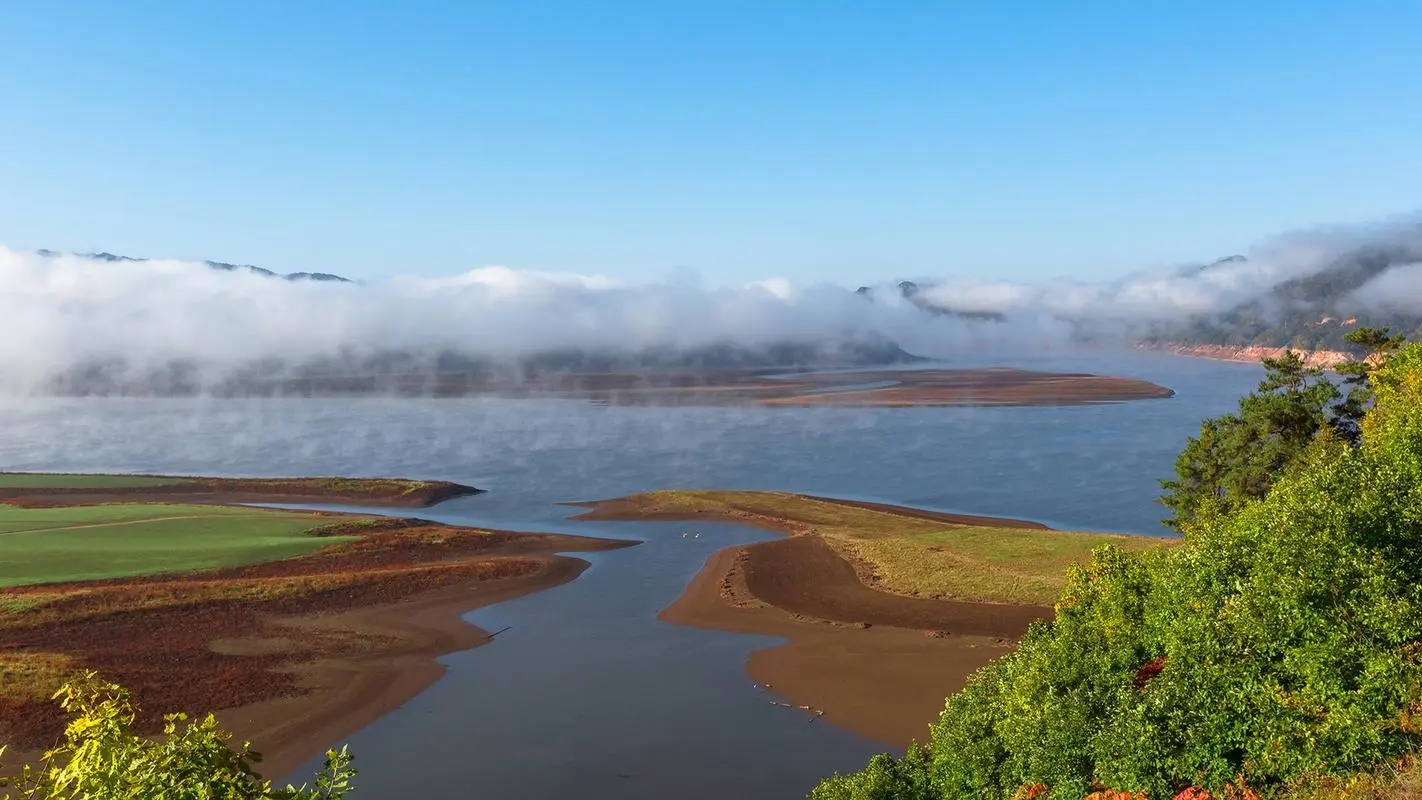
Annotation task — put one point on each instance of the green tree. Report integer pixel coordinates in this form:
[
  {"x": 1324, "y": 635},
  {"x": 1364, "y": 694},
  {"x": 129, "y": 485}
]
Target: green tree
[
  {"x": 101, "y": 757},
  {"x": 1377, "y": 344},
  {"x": 1236, "y": 456},
  {"x": 1278, "y": 644}
]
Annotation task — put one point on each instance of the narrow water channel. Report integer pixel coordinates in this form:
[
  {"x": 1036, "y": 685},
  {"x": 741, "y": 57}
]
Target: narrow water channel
[{"x": 588, "y": 694}]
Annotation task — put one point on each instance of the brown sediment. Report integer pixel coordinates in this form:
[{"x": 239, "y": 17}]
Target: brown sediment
[
  {"x": 875, "y": 663},
  {"x": 631, "y": 508},
  {"x": 294, "y": 654},
  {"x": 929, "y": 387},
  {"x": 387, "y": 493}
]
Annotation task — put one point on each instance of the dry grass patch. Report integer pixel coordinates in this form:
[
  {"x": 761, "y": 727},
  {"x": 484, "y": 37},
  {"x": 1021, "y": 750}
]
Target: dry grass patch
[
  {"x": 26, "y": 676},
  {"x": 997, "y": 565},
  {"x": 907, "y": 551}
]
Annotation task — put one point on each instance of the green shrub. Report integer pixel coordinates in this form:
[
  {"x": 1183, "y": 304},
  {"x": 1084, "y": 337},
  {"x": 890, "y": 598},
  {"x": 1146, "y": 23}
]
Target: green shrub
[
  {"x": 1281, "y": 641},
  {"x": 102, "y": 758}
]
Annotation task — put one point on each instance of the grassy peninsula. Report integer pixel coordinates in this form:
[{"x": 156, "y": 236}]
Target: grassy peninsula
[{"x": 901, "y": 550}]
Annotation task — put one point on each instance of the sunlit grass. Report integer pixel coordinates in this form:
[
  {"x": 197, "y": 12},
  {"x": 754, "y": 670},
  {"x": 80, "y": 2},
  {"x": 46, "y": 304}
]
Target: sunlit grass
[
  {"x": 33, "y": 676},
  {"x": 908, "y": 554},
  {"x": 48, "y": 545}
]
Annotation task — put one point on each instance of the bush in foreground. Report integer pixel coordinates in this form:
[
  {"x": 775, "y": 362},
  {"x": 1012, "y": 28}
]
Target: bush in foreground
[
  {"x": 1280, "y": 646},
  {"x": 102, "y": 758}
]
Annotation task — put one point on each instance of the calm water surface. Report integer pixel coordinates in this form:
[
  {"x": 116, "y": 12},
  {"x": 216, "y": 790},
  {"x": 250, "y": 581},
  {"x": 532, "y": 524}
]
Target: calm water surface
[{"x": 588, "y": 692}]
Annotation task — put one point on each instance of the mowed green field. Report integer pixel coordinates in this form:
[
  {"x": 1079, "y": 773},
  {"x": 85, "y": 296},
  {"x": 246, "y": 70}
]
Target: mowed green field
[
  {"x": 62, "y": 480},
  {"x": 49, "y": 545}
]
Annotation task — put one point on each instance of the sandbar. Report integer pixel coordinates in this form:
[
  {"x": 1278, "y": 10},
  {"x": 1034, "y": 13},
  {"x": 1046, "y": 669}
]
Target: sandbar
[{"x": 877, "y": 663}]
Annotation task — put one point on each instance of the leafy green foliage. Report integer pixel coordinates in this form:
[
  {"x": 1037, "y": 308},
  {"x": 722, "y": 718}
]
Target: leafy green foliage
[
  {"x": 1236, "y": 456},
  {"x": 1377, "y": 344},
  {"x": 102, "y": 758},
  {"x": 1281, "y": 642}
]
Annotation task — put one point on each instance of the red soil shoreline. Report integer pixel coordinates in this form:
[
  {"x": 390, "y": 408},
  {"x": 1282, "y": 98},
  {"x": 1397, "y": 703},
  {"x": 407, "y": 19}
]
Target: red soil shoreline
[
  {"x": 1247, "y": 354},
  {"x": 292, "y": 654}
]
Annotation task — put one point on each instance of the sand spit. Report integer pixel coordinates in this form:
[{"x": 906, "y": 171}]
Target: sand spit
[{"x": 876, "y": 663}]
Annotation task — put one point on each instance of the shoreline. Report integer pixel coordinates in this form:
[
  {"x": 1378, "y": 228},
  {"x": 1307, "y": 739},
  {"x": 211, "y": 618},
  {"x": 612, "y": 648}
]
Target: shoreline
[
  {"x": 291, "y": 654},
  {"x": 347, "y": 694},
  {"x": 358, "y": 664},
  {"x": 883, "y": 682},
  {"x": 875, "y": 663},
  {"x": 626, "y": 509},
  {"x": 1246, "y": 354}
]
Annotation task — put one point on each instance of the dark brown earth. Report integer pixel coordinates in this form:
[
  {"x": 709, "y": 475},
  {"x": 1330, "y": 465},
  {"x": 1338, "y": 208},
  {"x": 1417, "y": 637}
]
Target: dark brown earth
[
  {"x": 293, "y": 653},
  {"x": 803, "y": 575},
  {"x": 883, "y": 670}
]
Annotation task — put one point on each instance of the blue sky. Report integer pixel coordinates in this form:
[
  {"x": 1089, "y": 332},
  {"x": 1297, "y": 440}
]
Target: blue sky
[{"x": 836, "y": 141}]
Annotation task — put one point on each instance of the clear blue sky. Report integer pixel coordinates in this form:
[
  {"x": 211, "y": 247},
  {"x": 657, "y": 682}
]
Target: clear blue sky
[{"x": 848, "y": 142}]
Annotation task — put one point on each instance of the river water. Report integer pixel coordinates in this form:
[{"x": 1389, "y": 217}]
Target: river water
[{"x": 588, "y": 693}]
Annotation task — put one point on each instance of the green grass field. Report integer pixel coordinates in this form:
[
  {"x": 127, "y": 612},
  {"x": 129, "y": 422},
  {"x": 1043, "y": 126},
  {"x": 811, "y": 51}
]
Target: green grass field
[
  {"x": 58, "y": 480},
  {"x": 911, "y": 555},
  {"x": 48, "y": 545}
]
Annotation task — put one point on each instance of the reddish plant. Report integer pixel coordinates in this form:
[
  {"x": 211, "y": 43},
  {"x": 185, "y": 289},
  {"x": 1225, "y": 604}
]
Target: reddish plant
[{"x": 1148, "y": 671}]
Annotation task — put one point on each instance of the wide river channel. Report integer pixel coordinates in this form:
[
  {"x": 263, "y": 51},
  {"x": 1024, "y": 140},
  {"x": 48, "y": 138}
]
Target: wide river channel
[{"x": 588, "y": 694}]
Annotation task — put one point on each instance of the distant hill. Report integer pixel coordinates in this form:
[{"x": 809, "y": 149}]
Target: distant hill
[
  {"x": 1309, "y": 312},
  {"x": 471, "y": 367},
  {"x": 911, "y": 292},
  {"x": 218, "y": 265}
]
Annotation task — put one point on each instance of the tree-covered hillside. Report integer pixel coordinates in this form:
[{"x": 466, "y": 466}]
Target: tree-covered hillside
[
  {"x": 1277, "y": 651},
  {"x": 1310, "y": 312}
]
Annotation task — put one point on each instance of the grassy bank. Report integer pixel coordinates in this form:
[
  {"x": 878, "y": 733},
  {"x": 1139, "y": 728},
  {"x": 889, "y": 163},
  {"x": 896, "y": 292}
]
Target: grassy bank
[
  {"x": 901, "y": 550},
  {"x": 49, "y": 545}
]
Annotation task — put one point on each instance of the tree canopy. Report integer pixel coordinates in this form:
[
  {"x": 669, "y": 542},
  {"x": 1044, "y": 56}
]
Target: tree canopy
[
  {"x": 1237, "y": 456},
  {"x": 1280, "y": 643}
]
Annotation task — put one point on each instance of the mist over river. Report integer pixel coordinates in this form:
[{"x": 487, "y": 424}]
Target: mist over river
[{"x": 588, "y": 693}]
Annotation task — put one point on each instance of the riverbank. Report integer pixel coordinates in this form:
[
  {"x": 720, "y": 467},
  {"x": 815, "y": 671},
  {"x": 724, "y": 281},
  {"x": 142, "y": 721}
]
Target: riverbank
[
  {"x": 1250, "y": 354},
  {"x": 40, "y": 489},
  {"x": 872, "y": 645},
  {"x": 293, "y": 653}
]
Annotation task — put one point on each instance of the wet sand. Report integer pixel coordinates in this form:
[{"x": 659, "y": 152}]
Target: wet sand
[
  {"x": 403, "y": 642},
  {"x": 886, "y": 680},
  {"x": 876, "y": 663}
]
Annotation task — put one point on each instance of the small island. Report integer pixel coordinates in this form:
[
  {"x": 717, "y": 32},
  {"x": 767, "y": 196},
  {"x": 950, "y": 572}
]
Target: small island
[{"x": 297, "y": 626}]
